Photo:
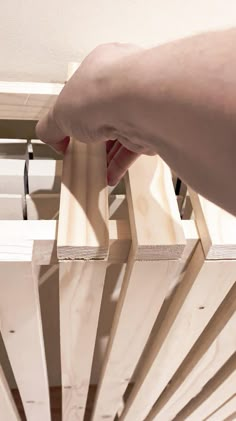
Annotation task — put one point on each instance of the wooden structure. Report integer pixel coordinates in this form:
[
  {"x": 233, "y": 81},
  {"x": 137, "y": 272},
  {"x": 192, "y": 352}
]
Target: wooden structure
[{"x": 163, "y": 287}]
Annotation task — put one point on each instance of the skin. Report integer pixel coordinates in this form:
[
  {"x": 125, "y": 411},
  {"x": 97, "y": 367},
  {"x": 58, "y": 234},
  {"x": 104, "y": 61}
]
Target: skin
[{"x": 177, "y": 100}]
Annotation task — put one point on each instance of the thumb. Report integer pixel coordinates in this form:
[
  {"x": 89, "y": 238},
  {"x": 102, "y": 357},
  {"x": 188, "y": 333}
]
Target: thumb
[{"x": 49, "y": 132}]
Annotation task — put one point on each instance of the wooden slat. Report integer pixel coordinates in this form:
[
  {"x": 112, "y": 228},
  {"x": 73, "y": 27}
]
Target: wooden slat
[
  {"x": 217, "y": 228},
  {"x": 42, "y": 206},
  {"x": 118, "y": 208},
  {"x": 43, "y": 151},
  {"x": 213, "y": 395},
  {"x": 44, "y": 176},
  {"x": 215, "y": 346},
  {"x": 26, "y": 100},
  {"x": 203, "y": 288},
  {"x": 145, "y": 283},
  {"x": 21, "y": 329},
  {"x": 12, "y": 176},
  {"x": 83, "y": 231},
  {"x": 8, "y": 410},
  {"x": 163, "y": 238},
  {"x": 11, "y": 206},
  {"x": 224, "y": 411},
  {"x": 13, "y": 148},
  {"x": 81, "y": 287}
]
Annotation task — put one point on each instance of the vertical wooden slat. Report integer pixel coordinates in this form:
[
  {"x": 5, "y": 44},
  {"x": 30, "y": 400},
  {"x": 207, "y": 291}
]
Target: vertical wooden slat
[
  {"x": 83, "y": 234},
  {"x": 224, "y": 411},
  {"x": 215, "y": 346},
  {"x": 81, "y": 287},
  {"x": 21, "y": 329},
  {"x": 214, "y": 394},
  {"x": 202, "y": 290},
  {"x": 146, "y": 282},
  {"x": 8, "y": 410}
]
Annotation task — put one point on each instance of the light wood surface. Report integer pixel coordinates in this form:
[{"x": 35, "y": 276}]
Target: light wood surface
[
  {"x": 11, "y": 206},
  {"x": 12, "y": 176},
  {"x": 215, "y": 346},
  {"x": 8, "y": 410},
  {"x": 203, "y": 288},
  {"x": 224, "y": 411},
  {"x": 154, "y": 216},
  {"x": 143, "y": 290},
  {"x": 217, "y": 228},
  {"x": 44, "y": 176},
  {"x": 81, "y": 287},
  {"x": 83, "y": 222},
  {"x": 214, "y": 394},
  {"x": 13, "y": 149},
  {"x": 42, "y": 206},
  {"x": 26, "y": 100},
  {"x": 22, "y": 334}
]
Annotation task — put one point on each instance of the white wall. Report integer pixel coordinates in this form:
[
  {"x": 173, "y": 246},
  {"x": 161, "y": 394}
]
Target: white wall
[{"x": 39, "y": 37}]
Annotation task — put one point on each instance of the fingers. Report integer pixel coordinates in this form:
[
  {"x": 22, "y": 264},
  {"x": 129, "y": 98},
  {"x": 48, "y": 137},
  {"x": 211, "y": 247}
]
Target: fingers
[
  {"x": 48, "y": 131},
  {"x": 119, "y": 164}
]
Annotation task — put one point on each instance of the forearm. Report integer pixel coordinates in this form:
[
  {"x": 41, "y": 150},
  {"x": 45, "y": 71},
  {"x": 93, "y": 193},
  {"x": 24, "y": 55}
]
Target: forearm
[{"x": 180, "y": 98}]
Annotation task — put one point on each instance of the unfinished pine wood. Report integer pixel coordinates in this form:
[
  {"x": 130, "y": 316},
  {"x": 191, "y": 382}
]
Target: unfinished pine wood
[
  {"x": 12, "y": 176},
  {"x": 151, "y": 197},
  {"x": 13, "y": 148},
  {"x": 217, "y": 228},
  {"x": 118, "y": 206},
  {"x": 218, "y": 390},
  {"x": 203, "y": 288},
  {"x": 224, "y": 411},
  {"x": 215, "y": 346},
  {"x": 11, "y": 206},
  {"x": 22, "y": 334},
  {"x": 26, "y": 100},
  {"x": 143, "y": 290},
  {"x": 44, "y": 176},
  {"x": 8, "y": 408},
  {"x": 83, "y": 223},
  {"x": 42, "y": 205},
  {"x": 42, "y": 151},
  {"x": 81, "y": 287}
]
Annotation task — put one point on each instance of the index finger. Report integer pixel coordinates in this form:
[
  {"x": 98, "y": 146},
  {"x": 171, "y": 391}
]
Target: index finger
[{"x": 119, "y": 164}]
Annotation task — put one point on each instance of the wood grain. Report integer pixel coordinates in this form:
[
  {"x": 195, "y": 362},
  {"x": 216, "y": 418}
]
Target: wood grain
[
  {"x": 217, "y": 228},
  {"x": 151, "y": 197},
  {"x": 203, "y": 288},
  {"x": 214, "y": 347}
]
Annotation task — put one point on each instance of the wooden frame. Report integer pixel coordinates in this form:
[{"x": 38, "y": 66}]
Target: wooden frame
[{"x": 179, "y": 276}]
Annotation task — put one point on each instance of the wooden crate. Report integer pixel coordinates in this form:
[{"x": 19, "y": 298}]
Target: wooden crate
[{"x": 110, "y": 303}]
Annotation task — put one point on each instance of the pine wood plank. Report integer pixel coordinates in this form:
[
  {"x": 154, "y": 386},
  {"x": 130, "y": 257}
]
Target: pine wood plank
[
  {"x": 81, "y": 287},
  {"x": 203, "y": 288},
  {"x": 12, "y": 176},
  {"x": 26, "y": 100},
  {"x": 163, "y": 238},
  {"x": 8, "y": 408},
  {"x": 214, "y": 394},
  {"x": 118, "y": 208},
  {"x": 224, "y": 411},
  {"x": 13, "y": 149},
  {"x": 44, "y": 176},
  {"x": 83, "y": 222},
  {"x": 217, "y": 228},
  {"x": 215, "y": 346},
  {"x": 11, "y": 206},
  {"x": 22, "y": 334},
  {"x": 42, "y": 206},
  {"x": 145, "y": 283}
]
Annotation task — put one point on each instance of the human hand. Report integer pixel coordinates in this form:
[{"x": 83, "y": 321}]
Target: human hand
[{"x": 89, "y": 108}]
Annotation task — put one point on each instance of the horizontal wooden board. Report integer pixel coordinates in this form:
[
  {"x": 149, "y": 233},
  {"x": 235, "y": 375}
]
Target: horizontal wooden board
[{"x": 44, "y": 176}]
